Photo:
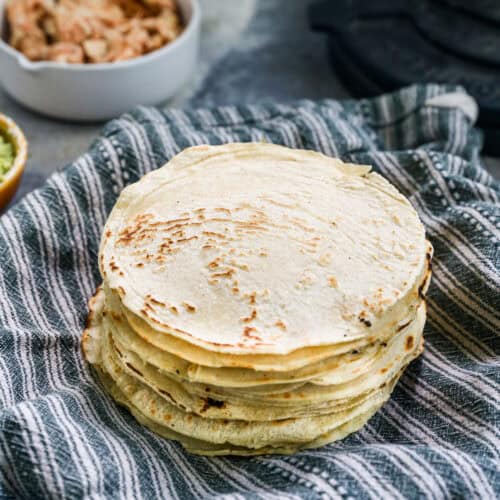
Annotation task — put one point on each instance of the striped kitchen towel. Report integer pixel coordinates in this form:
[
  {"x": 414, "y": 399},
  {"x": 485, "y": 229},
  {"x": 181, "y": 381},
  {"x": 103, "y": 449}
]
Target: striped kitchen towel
[{"x": 61, "y": 436}]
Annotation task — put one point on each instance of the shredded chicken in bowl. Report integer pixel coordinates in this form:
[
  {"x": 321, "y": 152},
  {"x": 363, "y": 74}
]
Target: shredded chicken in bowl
[{"x": 91, "y": 31}]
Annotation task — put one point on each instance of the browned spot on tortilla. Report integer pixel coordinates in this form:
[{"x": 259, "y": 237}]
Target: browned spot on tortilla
[
  {"x": 207, "y": 389},
  {"x": 332, "y": 281},
  {"x": 280, "y": 324},
  {"x": 235, "y": 290},
  {"x": 167, "y": 418},
  {"x": 384, "y": 370},
  {"x": 189, "y": 307},
  {"x": 243, "y": 267},
  {"x": 165, "y": 393},
  {"x": 409, "y": 343},
  {"x": 252, "y": 316},
  {"x": 249, "y": 332},
  {"x": 251, "y": 297},
  {"x": 176, "y": 226},
  {"x": 287, "y": 395},
  {"x": 225, "y": 274},
  {"x": 161, "y": 223},
  {"x": 248, "y": 224},
  {"x": 134, "y": 369},
  {"x": 173, "y": 221},
  {"x": 214, "y": 234},
  {"x": 140, "y": 264},
  {"x": 212, "y": 403},
  {"x": 149, "y": 306},
  {"x": 214, "y": 264},
  {"x": 403, "y": 326},
  {"x": 108, "y": 233},
  {"x": 225, "y": 210},
  {"x": 363, "y": 319},
  {"x": 174, "y": 309},
  {"x": 183, "y": 240},
  {"x": 157, "y": 302},
  {"x": 421, "y": 293}
]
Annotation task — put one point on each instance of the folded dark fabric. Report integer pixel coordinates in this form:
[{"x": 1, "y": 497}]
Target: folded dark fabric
[{"x": 61, "y": 436}]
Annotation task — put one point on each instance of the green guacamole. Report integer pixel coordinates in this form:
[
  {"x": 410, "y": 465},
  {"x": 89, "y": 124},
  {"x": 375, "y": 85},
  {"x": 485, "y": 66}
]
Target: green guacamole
[{"x": 6, "y": 157}]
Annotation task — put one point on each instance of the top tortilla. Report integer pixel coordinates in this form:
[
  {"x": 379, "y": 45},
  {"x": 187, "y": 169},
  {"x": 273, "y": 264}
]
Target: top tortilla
[{"x": 262, "y": 249}]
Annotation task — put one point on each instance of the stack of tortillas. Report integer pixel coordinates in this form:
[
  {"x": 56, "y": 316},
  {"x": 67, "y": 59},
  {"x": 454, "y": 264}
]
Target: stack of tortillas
[{"x": 258, "y": 299}]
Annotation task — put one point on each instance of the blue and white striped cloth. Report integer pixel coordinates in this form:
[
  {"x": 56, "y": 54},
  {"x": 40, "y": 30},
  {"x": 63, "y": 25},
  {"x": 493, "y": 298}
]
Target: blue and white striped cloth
[{"x": 61, "y": 436}]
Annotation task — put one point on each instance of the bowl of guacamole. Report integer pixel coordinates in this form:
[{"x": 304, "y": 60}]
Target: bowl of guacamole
[{"x": 13, "y": 156}]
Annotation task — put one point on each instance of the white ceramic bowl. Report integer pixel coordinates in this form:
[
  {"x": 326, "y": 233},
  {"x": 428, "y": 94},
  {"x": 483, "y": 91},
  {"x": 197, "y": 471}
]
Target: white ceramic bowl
[{"x": 92, "y": 92}]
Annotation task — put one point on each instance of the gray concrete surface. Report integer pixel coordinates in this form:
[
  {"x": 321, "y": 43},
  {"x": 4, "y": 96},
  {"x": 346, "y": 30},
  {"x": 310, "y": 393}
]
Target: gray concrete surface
[{"x": 252, "y": 50}]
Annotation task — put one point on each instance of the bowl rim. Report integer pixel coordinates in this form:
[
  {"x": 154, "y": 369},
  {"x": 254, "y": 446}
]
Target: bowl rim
[
  {"x": 189, "y": 30},
  {"x": 16, "y": 135}
]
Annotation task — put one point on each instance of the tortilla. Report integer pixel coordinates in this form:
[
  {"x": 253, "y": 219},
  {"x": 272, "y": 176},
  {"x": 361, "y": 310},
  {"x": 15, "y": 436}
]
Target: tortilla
[{"x": 231, "y": 247}]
